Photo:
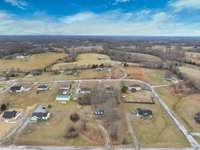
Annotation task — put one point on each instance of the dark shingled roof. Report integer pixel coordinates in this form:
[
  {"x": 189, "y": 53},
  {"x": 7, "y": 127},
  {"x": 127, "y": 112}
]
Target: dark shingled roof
[
  {"x": 144, "y": 112},
  {"x": 15, "y": 88},
  {"x": 9, "y": 114}
]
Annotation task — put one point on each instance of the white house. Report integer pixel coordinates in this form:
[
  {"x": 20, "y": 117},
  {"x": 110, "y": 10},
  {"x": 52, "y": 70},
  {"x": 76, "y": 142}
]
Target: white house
[{"x": 40, "y": 114}]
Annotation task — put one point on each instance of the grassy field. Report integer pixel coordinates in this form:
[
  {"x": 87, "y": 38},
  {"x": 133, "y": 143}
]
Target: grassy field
[
  {"x": 52, "y": 132},
  {"x": 85, "y": 59},
  {"x": 192, "y": 57},
  {"x": 191, "y": 72},
  {"x": 155, "y": 76},
  {"x": 35, "y": 61},
  {"x": 84, "y": 74},
  {"x": 159, "y": 131},
  {"x": 184, "y": 106},
  {"x": 140, "y": 96},
  {"x": 152, "y": 76}
]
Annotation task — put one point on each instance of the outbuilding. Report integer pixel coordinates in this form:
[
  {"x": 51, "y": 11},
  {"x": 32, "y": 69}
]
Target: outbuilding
[{"x": 63, "y": 98}]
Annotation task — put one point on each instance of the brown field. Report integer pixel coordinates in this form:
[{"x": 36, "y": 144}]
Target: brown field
[
  {"x": 159, "y": 131},
  {"x": 135, "y": 73},
  {"x": 152, "y": 76},
  {"x": 117, "y": 72},
  {"x": 184, "y": 106},
  {"x": 51, "y": 132},
  {"x": 191, "y": 72},
  {"x": 85, "y": 59},
  {"x": 139, "y": 97},
  {"x": 192, "y": 57},
  {"x": 36, "y": 61},
  {"x": 84, "y": 74}
]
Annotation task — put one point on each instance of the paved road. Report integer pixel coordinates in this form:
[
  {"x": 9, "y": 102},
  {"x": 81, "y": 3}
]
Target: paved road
[{"x": 180, "y": 126}]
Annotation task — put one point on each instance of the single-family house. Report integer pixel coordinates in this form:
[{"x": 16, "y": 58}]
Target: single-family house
[
  {"x": 17, "y": 89},
  {"x": 41, "y": 88},
  {"x": 144, "y": 113},
  {"x": 8, "y": 115},
  {"x": 40, "y": 114},
  {"x": 85, "y": 90}
]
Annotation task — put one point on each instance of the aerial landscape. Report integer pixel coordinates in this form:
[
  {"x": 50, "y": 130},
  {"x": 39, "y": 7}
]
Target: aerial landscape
[{"x": 100, "y": 75}]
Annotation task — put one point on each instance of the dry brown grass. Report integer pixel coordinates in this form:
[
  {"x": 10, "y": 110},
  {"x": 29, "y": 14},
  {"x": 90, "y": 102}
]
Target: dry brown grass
[
  {"x": 140, "y": 96},
  {"x": 85, "y": 59},
  {"x": 52, "y": 132},
  {"x": 192, "y": 57},
  {"x": 184, "y": 106},
  {"x": 36, "y": 61},
  {"x": 135, "y": 73},
  {"x": 159, "y": 131}
]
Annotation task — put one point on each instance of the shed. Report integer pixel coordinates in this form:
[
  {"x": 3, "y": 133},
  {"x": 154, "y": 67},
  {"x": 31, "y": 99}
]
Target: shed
[{"x": 63, "y": 98}]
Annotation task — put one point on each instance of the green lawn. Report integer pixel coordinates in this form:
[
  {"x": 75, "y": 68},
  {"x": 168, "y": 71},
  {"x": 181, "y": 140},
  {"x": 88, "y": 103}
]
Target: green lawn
[{"x": 159, "y": 131}]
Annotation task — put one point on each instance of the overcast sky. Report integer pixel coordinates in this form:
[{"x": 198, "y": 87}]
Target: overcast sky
[{"x": 100, "y": 17}]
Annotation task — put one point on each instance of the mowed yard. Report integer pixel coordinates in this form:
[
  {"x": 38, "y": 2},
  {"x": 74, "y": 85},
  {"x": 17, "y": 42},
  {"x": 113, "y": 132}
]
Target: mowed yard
[
  {"x": 159, "y": 131},
  {"x": 52, "y": 131},
  {"x": 85, "y": 59},
  {"x": 184, "y": 106},
  {"x": 35, "y": 61}
]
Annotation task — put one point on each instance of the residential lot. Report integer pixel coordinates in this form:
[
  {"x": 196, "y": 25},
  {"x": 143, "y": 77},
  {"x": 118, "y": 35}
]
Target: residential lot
[{"x": 159, "y": 131}]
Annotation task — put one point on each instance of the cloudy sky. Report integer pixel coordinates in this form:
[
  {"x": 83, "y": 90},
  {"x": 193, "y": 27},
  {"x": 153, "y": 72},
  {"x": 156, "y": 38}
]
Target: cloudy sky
[{"x": 100, "y": 17}]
